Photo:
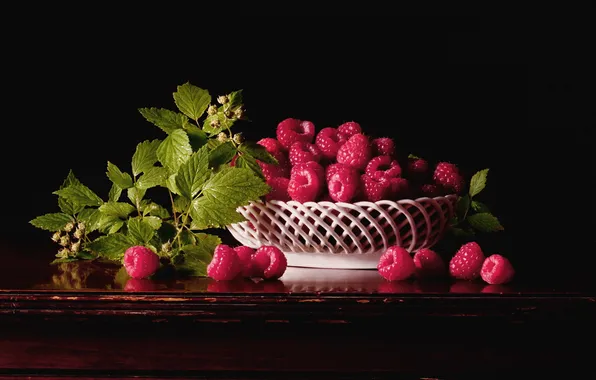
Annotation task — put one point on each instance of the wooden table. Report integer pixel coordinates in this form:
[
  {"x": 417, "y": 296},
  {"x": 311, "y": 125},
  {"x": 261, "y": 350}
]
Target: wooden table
[{"x": 87, "y": 320}]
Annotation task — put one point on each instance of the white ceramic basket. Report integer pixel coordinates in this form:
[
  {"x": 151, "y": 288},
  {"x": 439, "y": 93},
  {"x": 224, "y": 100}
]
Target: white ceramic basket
[{"x": 343, "y": 235}]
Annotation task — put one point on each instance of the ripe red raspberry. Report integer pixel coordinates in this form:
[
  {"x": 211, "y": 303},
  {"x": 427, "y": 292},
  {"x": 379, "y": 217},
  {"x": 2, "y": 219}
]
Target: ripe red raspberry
[
  {"x": 317, "y": 167},
  {"x": 140, "y": 261},
  {"x": 448, "y": 176},
  {"x": 383, "y": 166},
  {"x": 497, "y": 270},
  {"x": 431, "y": 190},
  {"x": 428, "y": 263},
  {"x": 271, "y": 145},
  {"x": 349, "y": 129},
  {"x": 329, "y": 140},
  {"x": 399, "y": 188},
  {"x": 305, "y": 183},
  {"x": 343, "y": 182},
  {"x": 418, "y": 169},
  {"x": 374, "y": 189},
  {"x": 383, "y": 146},
  {"x": 355, "y": 152},
  {"x": 396, "y": 264},
  {"x": 467, "y": 262},
  {"x": 301, "y": 152},
  {"x": 291, "y": 130},
  {"x": 225, "y": 264},
  {"x": 279, "y": 189},
  {"x": 272, "y": 170},
  {"x": 245, "y": 257},
  {"x": 269, "y": 262}
]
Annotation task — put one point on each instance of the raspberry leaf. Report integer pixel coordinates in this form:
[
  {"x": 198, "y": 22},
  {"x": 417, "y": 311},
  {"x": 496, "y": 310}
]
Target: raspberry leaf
[
  {"x": 52, "y": 222},
  {"x": 484, "y": 222},
  {"x": 258, "y": 152},
  {"x": 123, "y": 180},
  {"x": 196, "y": 136},
  {"x": 222, "y": 154},
  {"x": 235, "y": 187},
  {"x": 165, "y": 119},
  {"x": 246, "y": 161},
  {"x": 208, "y": 211},
  {"x": 115, "y": 193},
  {"x": 479, "y": 207},
  {"x": 119, "y": 209},
  {"x": 462, "y": 207},
  {"x": 145, "y": 156},
  {"x": 110, "y": 247},
  {"x": 174, "y": 150},
  {"x": 193, "y": 174},
  {"x": 478, "y": 182},
  {"x": 79, "y": 195},
  {"x": 155, "y": 176},
  {"x": 140, "y": 231},
  {"x": 135, "y": 195},
  {"x": 65, "y": 205},
  {"x": 192, "y": 100}
]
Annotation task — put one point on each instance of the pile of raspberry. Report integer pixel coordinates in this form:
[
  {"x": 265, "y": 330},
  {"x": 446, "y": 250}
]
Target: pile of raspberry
[{"x": 343, "y": 164}]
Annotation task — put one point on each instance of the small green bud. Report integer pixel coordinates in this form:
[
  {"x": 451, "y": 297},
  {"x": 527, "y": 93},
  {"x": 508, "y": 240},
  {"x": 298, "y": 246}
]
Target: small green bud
[
  {"x": 222, "y": 137},
  {"x": 239, "y": 113},
  {"x": 229, "y": 114},
  {"x": 166, "y": 247},
  {"x": 64, "y": 252},
  {"x": 214, "y": 123},
  {"x": 64, "y": 240},
  {"x": 81, "y": 226},
  {"x": 56, "y": 236},
  {"x": 212, "y": 110},
  {"x": 69, "y": 226},
  {"x": 75, "y": 246},
  {"x": 222, "y": 99},
  {"x": 78, "y": 234},
  {"x": 238, "y": 138}
]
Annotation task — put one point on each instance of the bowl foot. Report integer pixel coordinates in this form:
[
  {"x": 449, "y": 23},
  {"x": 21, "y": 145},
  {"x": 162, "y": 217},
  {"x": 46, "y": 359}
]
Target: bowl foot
[{"x": 333, "y": 261}]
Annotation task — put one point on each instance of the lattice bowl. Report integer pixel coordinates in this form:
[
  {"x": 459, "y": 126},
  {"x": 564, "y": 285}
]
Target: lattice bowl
[{"x": 343, "y": 235}]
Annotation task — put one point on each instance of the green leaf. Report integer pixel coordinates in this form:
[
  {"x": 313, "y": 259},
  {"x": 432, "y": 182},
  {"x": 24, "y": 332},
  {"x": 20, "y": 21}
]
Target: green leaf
[
  {"x": 155, "y": 176},
  {"x": 153, "y": 221},
  {"x": 155, "y": 210},
  {"x": 91, "y": 217},
  {"x": 165, "y": 119},
  {"x": 235, "y": 99},
  {"x": 135, "y": 195},
  {"x": 65, "y": 205},
  {"x": 145, "y": 156},
  {"x": 115, "y": 193},
  {"x": 181, "y": 204},
  {"x": 222, "y": 123},
  {"x": 79, "y": 195},
  {"x": 52, "y": 222},
  {"x": 234, "y": 187},
  {"x": 479, "y": 207},
  {"x": 462, "y": 206},
  {"x": 222, "y": 154},
  {"x": 478, "y": 182},
  {"x": 484, "y": 222},
  {"x": 115, "y": 226},
  {"x": 171, "y": 184},
  {"x": 209, "y": 212},
  {"x": 193, "y": 174},
  {"x": 197, "y": 257},
  {"x": 119, "y": 209},
  {"x": 192, "y": 100},
  {"x": 460, "y": 232},
  {"x": 196, "y": 136},
  {"x": 248, "y": 162},
  {"x": 257, "y": 151},
  {"x": 140, "y": 231},
  {"x": 111, "y": 247},
  {"x": 174, "y": 150},
  {"x": 413, "y": 157},
  {"x": 123, "y": 180}
]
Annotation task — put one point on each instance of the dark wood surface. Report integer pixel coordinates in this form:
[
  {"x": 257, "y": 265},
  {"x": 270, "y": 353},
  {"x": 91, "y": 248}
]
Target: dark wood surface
[{"x": 88, "y": 320}]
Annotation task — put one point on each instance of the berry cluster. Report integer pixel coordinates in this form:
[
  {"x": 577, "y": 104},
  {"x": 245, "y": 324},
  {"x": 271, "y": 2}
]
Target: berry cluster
[
  {"x": 266, "y": 262},
  {"x": 468, "y": 263},
  {"x": 70, "y": 239},
  {"x": 343, "y": 164}
]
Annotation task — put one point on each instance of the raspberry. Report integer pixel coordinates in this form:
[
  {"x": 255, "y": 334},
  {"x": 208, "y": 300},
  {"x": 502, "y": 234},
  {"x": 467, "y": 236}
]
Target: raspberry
[
  {"x": 399, "y": 188},
  {"x": 271, "y": 145},
  {"x": 272, "y": 170},
  {"x": 383, "y": 166},
  {"x": 343, "y": 182},
  {"x": 428, "y": 263},
  {"x": 349, "y": 129},
  {"x": 140, "y": 261},
  {"x": 291, "y": 130},
  {"x": 355, "y": 152},
  {"x": 448, "y": 176},
  {"x": 301, "y": 152},
  {"x": 418, "y": 169},
  {"x": 329, "y": 140},
  {"x": 245, "y": 256},
  {"x": 279, "y": 189},
  {"x": 374, "y": 189},
  {"x": 269, "y": 262},
  {"x": 496, "y": 270},
  {"x": 317, "y": 167},
  {"x": 467, "y": 262},
  {"x": 431, "y": 190},
  {"x": 383, "y": 146},
  {"x": 305, "y": 183},
  {"x": 225, "y": 264},
  {"x": 140, "y": 285},
  {"x": 396, "y": 264}
]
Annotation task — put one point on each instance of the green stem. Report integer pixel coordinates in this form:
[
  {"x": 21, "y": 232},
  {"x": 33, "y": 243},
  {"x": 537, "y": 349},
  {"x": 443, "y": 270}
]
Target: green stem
[
  {"x": 175, "y": 216},
  {"x": 181, "y": 228}
]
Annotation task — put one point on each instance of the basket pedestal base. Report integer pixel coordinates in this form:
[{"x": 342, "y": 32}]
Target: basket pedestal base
[{"x": 333, "y": 261}]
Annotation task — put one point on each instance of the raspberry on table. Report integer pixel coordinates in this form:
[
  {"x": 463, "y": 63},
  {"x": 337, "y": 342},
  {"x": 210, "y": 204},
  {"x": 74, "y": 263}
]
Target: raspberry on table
[
  {"x": 305, "y": 183},
  {"x": 355, "y": 152},
  {"x": 448, "y": 176},
  {"x": 375, "y": 189},
  {"x": 349, "y": 129},
  {"x": 467, "y": 262},
  {"x": 396, "y": 264},
  {"x": 329, "y": 140},
  {"x": 301, "y": 152},
  {"x": 245, "y": 256},
  {"x": 269, "y": 262},
  {"x": 225, "y": 264},
  {"x": 140, "y": 261},
  {"x": 343, "y": 182},
  {"x": 497, "y": 270},
  {"x": 383, "y": 166},
  {"x": 279, "y": 189},
  {"x": 383, "y": 146},
  {"x": 291, "y": 130},
  {"x": 428, "y": 263}
]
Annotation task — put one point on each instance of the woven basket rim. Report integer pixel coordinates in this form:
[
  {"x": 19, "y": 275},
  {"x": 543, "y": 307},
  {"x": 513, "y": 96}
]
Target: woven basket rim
[{"x": 359, "y": 203}]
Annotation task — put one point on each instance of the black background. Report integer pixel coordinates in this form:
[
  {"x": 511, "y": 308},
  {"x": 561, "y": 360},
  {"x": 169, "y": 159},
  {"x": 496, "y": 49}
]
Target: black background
[{"x": 514, "y": 102}]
